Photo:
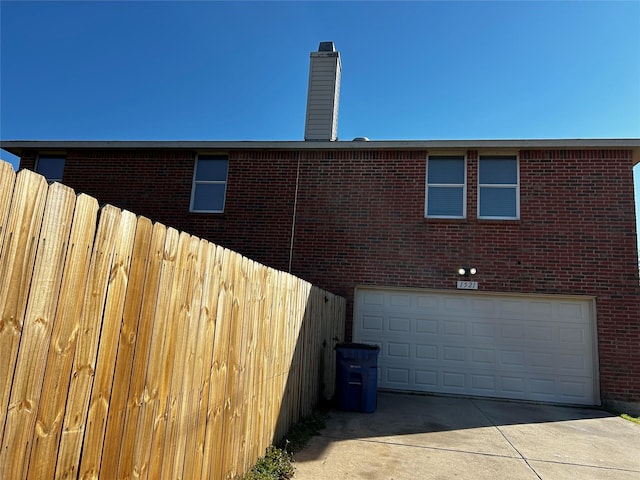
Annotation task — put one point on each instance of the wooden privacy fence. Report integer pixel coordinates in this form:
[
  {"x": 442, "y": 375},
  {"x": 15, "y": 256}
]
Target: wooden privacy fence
[{"x": 130, "y": 350}]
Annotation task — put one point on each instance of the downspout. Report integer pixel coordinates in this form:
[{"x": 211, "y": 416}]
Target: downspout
[{"x": 295, "y": 207}]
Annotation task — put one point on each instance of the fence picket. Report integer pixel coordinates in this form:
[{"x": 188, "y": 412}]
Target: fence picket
[
  {"x": 221, "y": 368},
  {"x": 100, "y": 400},
  {"x": 182, "y": 321},
  {"x": 242, "y": 387},
  {"x": 232, "y": 400},
  {"x": 254, "y": 366},
  {"x": 134, "y": 440},
  {"x": 154, "y": 413},
  {"x": 36, "y": 332},
  {"x": 84, "y": 363},
  {"x": 127, "y": 347},
  {"x": 268, "y": 356},
  {"x": 16, "y": 267},
  {"x": 201, "y": 347},
  {"x": 42, "y": 462},
  {"x": 210, "y": 306}
]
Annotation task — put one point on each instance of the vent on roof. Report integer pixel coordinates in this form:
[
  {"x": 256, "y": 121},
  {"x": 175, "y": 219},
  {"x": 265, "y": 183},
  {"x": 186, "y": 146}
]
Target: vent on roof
[{"x": 324, "y": 90}]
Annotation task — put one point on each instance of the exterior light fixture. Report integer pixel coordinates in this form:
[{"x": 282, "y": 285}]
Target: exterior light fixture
[{"x": 466, "y": 271}]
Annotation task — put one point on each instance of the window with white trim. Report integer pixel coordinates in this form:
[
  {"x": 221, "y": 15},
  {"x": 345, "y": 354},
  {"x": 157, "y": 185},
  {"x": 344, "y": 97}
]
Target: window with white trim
[
  {"x": 209, "y": 184},
  {"x": 498, "y": 187},
  {"x": 446, "y": 186},
  {"x": 51, "y": 167}
]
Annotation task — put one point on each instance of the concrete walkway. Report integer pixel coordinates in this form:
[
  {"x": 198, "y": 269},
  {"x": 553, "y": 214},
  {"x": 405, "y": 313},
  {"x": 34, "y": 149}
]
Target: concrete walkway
[{"x": 423, "y": 437}]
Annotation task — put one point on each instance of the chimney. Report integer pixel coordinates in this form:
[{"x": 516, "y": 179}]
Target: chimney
[{"x": 324, "y": 91}]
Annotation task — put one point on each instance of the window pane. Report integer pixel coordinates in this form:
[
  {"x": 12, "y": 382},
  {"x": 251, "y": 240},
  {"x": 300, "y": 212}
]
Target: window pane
[
  {"x": 446, "y": 170},
  {"x": 50, "y": 168},
  {"x": 209, "y": 197},
  {"x": 445, "y": 202},
  {"x": 498, "y": 170},
  {"x": 211, "y": 169},
  {"x": 497, "y": 202}
]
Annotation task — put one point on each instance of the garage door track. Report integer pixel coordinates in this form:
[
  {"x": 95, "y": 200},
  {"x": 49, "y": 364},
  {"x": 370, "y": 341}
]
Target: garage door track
[{"x": 416, "y": 437}]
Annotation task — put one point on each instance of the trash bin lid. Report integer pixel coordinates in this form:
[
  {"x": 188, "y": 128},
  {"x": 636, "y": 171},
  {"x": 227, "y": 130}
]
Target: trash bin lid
[{"x": 356, "y": 346}]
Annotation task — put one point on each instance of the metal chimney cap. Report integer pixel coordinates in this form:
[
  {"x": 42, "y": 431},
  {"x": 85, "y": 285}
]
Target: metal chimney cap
[
  {"x": 327, "y": 47},
  {"x": 361, "y": 139}
]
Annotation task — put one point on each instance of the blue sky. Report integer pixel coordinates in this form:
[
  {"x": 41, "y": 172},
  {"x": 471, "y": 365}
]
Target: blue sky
[{"x": 238, "y": 70}]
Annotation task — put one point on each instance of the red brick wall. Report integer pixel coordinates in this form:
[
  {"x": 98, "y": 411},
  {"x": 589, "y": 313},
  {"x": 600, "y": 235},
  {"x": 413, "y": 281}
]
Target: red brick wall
[
  {"x": 157, "y": 184},
  {"x": 360, "y": 221}
]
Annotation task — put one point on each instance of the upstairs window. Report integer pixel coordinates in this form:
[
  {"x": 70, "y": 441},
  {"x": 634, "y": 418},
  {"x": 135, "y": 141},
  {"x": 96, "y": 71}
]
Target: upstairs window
[
  {"x": 446, "y": 187},
  {"x": 209, "y": 184},
  {"x": 498, "y": 187},
  {"x": 50, "y": 167}
]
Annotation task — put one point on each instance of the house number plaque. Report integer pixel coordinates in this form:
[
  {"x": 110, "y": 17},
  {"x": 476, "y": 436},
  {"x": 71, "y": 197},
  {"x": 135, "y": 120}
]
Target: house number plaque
[{"x": 467, "y": 285}]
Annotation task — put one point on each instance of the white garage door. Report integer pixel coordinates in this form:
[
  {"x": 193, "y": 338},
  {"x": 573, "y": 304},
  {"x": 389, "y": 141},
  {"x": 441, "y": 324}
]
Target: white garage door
[{"x": 521, "y": 347}]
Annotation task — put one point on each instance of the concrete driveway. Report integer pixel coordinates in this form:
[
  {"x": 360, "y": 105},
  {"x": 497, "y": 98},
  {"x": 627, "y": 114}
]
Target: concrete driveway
[{"x": 416, "y": 437}]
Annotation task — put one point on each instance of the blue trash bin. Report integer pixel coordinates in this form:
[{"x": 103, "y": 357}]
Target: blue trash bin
[{"x": 357, "y": 377}]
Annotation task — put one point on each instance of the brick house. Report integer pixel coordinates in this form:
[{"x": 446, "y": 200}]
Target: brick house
[{"x": 501, "y": 268}]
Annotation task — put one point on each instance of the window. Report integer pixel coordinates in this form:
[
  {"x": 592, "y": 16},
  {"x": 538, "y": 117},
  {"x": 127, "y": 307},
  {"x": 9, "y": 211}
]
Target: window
[
  {"x": 446, "y": 187},
  {"x": 498, "y": 187},
  {"x": 209, "y": 183},
  {"x": 50, "y": 167}
]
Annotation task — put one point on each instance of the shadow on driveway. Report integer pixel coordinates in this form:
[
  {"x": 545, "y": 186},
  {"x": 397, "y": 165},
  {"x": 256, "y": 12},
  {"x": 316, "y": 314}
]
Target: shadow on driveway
[{"x": 415, "y": 436}]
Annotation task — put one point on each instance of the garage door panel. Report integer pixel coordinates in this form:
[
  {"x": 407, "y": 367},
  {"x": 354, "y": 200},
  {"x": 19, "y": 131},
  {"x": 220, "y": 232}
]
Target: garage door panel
[
  {"x": 453, "y": 305},
  {"x": 483, "y": 356},
  {"x": 398, "y": 350},
  {"x": 512, "y": 387},
  {"x": 400, "y": 302},
  {"x": 482, "y": 331},
  {"x": 539, "y": 309},
  {"x": 455, "y": 327},
  {"x": 483, "y": 383},
  {"x": 542, "y": 386},
  {"x": 511, "y": 332},
  {"x": 541, "y": 360},
  {"x": 573, "y": 336},
  {"x": 426, "y": 380},
  {"x": 515, "y": 308},
  {"x": 577, "y": 363},
  {"x": 484, "y": 307},
  {"x": 512, "y": 358},
  {"x": 454, "y": 354},
  {"x": 573, "y": 389},
  {"x": 397, "y": 377},
  {"x": 400, "y": 324},
  {"x": 536, "y": 348},
  {"x": 454, "y": 380},
  {"x": 372, "y": 322},
  {"x": 426, "y": 326},
  {"x": 571, "y": 311},
  {"x": 542, "y": 333},
  {"x": 426, "y": 352}
]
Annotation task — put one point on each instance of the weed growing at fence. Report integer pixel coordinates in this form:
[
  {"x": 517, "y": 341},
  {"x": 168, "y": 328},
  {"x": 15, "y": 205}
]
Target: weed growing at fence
[
  {"x": 275, "y": 465},
  {"x": 277, "y": 462},
  {"x": 299, "y": 434}
]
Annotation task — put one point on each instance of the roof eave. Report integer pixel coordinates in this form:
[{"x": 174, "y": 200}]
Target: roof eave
[{"x": 17, "y": 146}]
